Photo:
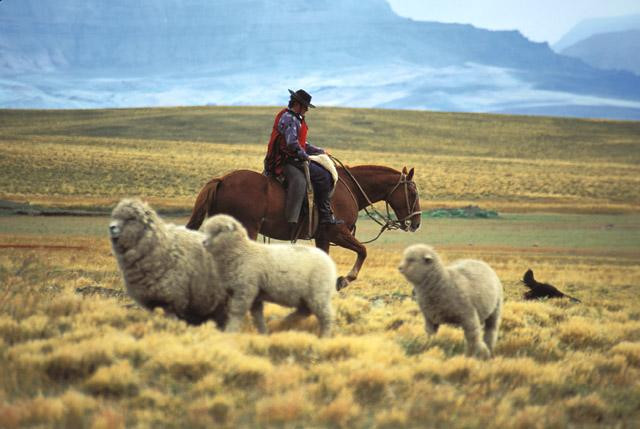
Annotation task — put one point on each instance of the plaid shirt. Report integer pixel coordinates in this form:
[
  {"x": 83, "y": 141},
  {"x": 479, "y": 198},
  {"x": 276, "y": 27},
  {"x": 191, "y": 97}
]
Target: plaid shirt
[{"x": 289, "y": 126}]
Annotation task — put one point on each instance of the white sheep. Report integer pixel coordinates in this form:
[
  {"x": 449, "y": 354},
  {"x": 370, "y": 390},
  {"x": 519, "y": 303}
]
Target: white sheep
[
  {"x": 466, "y": 293},
  {"x": 295, "y": 276},
  {"x": 164, "y": 265}
]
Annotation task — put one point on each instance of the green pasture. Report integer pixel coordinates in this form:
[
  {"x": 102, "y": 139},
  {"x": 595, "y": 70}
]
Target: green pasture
[
  {"x": 612, "y": 235},
  {"x": 619, "y": 234}
]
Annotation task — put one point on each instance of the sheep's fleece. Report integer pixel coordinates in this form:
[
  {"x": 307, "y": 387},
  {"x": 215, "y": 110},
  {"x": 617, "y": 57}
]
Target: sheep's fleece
[
  {"x": 296, "y": 276},
  {"x": 164, "y": 265},
  {"x": 467, "y": 293}
]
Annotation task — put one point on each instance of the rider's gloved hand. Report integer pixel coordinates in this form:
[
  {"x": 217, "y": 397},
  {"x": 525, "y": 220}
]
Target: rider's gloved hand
[{"x": 303, "y": 156}]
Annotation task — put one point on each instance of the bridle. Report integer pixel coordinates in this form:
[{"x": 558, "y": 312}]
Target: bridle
[
  {"x": 411, "y": 208},
  {"x": 386, "y": 222}
]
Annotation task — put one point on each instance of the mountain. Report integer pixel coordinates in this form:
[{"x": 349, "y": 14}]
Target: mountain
[
  {"x": 615, "y": 51},
  {"x": 141, "y": 37},
  {"x": 358, "y": 53},
  {"x": 590, "y": 27}
]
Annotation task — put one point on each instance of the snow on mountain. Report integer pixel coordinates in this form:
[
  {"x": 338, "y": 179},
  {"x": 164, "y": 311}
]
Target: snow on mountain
[{"x": 91, "y": 53}]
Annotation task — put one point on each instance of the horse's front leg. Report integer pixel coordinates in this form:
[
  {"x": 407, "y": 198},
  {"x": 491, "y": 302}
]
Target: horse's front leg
[
  {"x": 252, "y": 233},
  {"x": 253, "y": 228},
  {"x": 323, "y": 242},
  {"x": 341, "y": 236}
]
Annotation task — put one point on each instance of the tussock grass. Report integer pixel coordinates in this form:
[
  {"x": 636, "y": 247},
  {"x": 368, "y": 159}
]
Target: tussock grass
[
  {"x": 70, "y": 360},
  {"x": 73, "y": 360}
]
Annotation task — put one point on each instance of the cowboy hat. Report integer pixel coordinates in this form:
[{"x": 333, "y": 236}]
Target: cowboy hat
[{"x": 302, "y": 97}]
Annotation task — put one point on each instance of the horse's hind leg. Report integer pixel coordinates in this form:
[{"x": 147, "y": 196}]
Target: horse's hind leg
[{"x": 341, "y": 236}]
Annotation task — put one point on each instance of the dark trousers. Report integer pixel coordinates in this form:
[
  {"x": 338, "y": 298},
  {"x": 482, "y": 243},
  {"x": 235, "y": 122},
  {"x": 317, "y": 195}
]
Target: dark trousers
[{"x": 322, "y": 183}]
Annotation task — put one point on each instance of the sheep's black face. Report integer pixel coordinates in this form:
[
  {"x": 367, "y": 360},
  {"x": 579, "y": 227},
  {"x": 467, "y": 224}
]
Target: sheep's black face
[{"x": 129, "y": 221}]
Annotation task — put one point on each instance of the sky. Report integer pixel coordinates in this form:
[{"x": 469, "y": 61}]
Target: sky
[{"x": 538, "y": 20}]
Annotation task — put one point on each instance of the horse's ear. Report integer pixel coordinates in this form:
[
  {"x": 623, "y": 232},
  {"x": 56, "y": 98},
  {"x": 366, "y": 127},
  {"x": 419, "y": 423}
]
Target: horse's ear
[
  {"x": 410, "y": 175},
  {"x": 404, "y": 170}
]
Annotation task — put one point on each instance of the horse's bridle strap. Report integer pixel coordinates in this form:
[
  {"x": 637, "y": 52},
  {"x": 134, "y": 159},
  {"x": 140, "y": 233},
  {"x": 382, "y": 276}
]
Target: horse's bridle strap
[{"x": 388, "y": 222}]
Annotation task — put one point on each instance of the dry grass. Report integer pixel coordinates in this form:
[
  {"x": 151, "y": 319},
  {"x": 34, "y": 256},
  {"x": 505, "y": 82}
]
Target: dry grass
[
  {"x": 511, "y": 163},
  {"x": 68, "y": 360},
  {"x": 74, "y": 361}
]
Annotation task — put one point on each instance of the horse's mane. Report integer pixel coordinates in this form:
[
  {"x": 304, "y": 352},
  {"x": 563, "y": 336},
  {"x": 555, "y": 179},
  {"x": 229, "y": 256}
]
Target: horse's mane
[{"x": 370, "y": 167}]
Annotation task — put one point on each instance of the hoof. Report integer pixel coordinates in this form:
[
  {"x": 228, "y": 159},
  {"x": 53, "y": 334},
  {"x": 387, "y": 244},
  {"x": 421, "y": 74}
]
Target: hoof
[{"x": 341, "y": 283}]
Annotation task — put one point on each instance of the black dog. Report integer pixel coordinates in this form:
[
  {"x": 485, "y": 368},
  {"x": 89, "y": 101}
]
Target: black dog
[{"x": 542, "y": 290}]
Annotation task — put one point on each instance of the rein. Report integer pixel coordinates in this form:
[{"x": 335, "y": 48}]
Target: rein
[{"x": 386, "y": 222}]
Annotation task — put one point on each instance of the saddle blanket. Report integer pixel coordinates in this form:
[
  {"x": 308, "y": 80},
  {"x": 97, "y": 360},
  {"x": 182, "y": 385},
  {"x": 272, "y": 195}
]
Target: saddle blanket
[{"x": 325, "y": 161}]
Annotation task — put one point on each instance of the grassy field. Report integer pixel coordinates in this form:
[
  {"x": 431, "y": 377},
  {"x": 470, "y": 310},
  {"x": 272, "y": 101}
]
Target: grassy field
[
  {"x": 71, "y": 360},
  {"x": 92, "y": 158},
  {"x": 567, "y": 193}
]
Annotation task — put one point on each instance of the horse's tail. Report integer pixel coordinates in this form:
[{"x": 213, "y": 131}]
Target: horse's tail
[{"x": 205, "y": 199}]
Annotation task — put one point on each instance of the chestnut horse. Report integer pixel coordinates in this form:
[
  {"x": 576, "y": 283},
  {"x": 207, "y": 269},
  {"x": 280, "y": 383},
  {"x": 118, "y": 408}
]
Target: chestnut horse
[{"x": 258, "y": 203}]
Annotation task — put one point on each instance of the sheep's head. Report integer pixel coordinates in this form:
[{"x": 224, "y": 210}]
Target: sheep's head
[
  {"x": 130, "y": 219},
  {"x": 418, "y": 261},
  {"x": 221, "y": 229}
]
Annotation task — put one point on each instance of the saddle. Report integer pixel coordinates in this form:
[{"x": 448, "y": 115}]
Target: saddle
[
  {"x": 303, "y": 231},
  {"x": 308, "y": 219},
  {"x": 325, "y": 161}
]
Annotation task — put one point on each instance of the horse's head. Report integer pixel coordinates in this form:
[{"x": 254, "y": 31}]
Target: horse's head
[{"x": 405, "y": 202}]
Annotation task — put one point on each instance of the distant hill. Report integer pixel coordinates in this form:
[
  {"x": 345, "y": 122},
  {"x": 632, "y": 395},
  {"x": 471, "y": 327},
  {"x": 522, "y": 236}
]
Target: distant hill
[
  {"x": 92, "y": 53},
  {"x": 614, "y": 51},
  {"x": 168, "y": 35},
  {"x": 589, "y": 27}
]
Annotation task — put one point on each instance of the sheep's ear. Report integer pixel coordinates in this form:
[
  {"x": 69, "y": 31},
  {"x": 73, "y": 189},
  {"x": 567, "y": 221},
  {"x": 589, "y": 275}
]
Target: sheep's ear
[
  {"x": 410, "y": 175},
  {"x": 427, "y": 259},
  {"x": 231, "y": 226}
]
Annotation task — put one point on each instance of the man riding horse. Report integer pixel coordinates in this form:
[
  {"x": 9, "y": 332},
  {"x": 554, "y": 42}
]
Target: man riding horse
[
  {"x": 258, "y": 201},
  {"x": 287, "y": 153}
]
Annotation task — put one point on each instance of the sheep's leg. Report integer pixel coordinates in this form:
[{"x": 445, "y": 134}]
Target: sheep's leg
[
  {"x": 238, "y": 306},
  {"x": 473, "y": 335},
  {"x": 429, "y": 327},
  {"x": 325, "y": 319},
  {"x": 341, "y": 236},
  {"x": 321, "y": 308},
  {"x": 491, "y": 326},
  {"x": 258, "y": 316}
]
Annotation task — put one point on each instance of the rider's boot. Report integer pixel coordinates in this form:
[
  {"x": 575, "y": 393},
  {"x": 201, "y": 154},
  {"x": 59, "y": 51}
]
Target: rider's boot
[
  {"x": 293, "y": 231},
  {"x": 325, "y": 212}
]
